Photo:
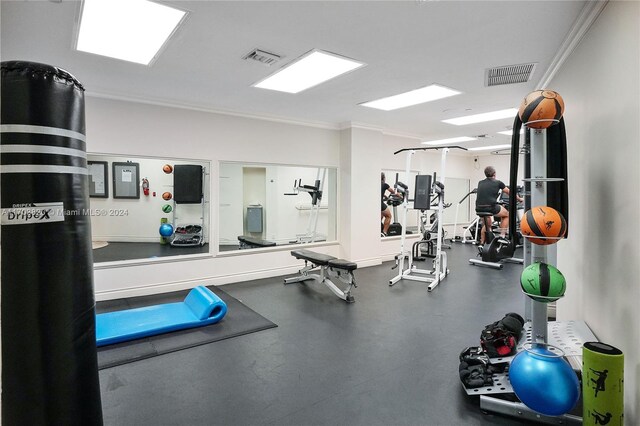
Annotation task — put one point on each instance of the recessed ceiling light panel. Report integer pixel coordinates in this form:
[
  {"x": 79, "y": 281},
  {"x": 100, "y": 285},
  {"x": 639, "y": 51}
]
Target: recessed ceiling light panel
[
  {"x": 311, "y": 69},
  {"x": 510, "y": 132},
  {"x": 449, "y": 140},
  {"x": 413, "y": 97},
  {"x": 488, "y": 147},
  {"x": 131, "y": 30},
  {"x": 481, "y": 118}
]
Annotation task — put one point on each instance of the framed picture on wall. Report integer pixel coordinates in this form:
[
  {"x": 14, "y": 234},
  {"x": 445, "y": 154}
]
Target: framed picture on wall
[
  {"x": 125, "y": 180},
  {"x": 98, "y": 179}
]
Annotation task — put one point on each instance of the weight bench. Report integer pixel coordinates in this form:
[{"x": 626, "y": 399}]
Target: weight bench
[
  {"x": 330, "y": 267},
  {"x": 249, "y": 243},
  {"x": 201, "y": 307}
]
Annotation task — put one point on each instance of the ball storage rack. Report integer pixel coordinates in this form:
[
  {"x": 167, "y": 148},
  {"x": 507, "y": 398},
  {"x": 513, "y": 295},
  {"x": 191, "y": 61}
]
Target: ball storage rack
[{"x": 568, "y": 336}]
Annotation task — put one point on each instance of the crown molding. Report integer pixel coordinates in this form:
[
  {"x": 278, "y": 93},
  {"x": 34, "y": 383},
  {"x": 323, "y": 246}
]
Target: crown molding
[
  {"x": 587, "y": 17},
  {"x": 161, "y": 103}
]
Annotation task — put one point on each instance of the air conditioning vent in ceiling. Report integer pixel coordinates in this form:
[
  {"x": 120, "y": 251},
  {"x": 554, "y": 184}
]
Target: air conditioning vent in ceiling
[
  {"x": 509, "y": 74},
  {"x": 262, "y": 56}
]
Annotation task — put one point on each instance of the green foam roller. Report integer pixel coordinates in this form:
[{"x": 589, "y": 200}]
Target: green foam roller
[
  {"x": 163, "y": 240},
  {"x": 602, "y": 385}
]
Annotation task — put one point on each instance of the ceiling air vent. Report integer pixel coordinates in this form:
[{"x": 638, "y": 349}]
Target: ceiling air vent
[
  {"x": 509, "y": 74},
  {"x": 263, "y": 57}
]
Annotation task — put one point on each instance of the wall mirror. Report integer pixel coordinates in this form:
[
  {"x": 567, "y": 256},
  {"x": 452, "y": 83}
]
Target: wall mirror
[
  {"x": 269, "y": 205},
  {"x": 455, "y": 190},
  {"x": 169, "y": 216},
  {"x": 392, "y": 177}
]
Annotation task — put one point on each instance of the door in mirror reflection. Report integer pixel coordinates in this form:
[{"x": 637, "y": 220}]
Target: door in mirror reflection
[{"x": 267, "y": 205}]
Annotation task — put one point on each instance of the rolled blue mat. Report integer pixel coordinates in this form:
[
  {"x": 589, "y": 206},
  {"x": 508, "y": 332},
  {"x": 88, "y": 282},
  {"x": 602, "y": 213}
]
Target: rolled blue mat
[{"x": 201, "y": 307}]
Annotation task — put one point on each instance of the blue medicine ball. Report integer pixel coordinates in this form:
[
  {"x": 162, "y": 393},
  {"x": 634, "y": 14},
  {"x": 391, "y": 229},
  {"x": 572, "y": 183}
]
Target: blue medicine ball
[
  {"x": 166, "y": 230},
  {"x": 544, "y": 381}
]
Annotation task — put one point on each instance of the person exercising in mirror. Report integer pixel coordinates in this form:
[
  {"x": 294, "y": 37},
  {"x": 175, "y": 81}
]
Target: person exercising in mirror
[
  {"x": 487, "y": 201},
  {"x": 385, "y": 212}
]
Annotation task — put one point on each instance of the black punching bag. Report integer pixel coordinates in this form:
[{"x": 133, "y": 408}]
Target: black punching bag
[{"x": 49, "y": 362}]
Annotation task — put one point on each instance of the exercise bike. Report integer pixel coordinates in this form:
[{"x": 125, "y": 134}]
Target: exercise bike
[{"x": 496, "y": 250}]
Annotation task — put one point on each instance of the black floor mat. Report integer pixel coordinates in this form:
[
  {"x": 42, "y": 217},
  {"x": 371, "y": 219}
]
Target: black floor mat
[{"x": 239, "y": 320}]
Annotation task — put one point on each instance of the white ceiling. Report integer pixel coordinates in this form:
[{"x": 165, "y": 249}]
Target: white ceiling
[{"x": 405, "y": 44}]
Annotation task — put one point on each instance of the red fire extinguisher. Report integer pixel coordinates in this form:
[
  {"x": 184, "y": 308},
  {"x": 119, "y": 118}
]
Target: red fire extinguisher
[{"x": 145, "y": 186}]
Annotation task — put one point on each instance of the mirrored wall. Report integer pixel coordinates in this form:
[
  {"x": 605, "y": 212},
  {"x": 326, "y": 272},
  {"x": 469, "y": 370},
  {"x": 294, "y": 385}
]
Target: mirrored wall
[
  {"x": 456, "y": 189},
  {"x": 132, "y": 197},
  {"x": 268, "y": 205}
]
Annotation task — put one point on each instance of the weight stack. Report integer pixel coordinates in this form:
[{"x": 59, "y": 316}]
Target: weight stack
[
  {"x": 49, "y": 362},
  {"x": 602, "y": 385}
]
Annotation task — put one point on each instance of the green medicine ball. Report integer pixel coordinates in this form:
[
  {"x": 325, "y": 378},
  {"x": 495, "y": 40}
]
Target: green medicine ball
[
  {"x": 167, "y": 208},
  {"x": 540, "y": 279}
]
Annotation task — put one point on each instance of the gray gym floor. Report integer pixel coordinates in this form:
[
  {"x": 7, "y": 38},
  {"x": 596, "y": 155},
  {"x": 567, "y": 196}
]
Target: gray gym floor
[
  {"x": 391, "y": 358},
  {"x": 116, "y": 251}
]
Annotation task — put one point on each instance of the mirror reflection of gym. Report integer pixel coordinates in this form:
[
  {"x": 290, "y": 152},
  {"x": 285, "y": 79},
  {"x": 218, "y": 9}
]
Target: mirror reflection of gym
[
  {"x": 396, "y": 180},
  {"x": 269, "y": 205},
  {"x": 133, "y": 197}
]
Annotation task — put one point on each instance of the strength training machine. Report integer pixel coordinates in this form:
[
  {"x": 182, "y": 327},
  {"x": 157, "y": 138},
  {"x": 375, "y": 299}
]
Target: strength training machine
[
  {"x": 429, "y": 226},
  {"x": 422, "y": 201},
  {"x": 315, "y": 191}
]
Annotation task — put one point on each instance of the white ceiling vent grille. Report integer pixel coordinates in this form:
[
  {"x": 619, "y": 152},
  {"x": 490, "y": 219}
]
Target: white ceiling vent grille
[
  {"x": 509, "y": 74},
  {"x": 262, "y": 56}
]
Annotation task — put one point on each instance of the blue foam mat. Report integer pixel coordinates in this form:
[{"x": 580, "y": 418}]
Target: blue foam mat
[{"x": 201, "y": 307}]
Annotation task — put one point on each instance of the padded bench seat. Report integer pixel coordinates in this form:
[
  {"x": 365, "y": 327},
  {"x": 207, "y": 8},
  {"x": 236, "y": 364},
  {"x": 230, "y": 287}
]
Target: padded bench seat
[
  {"x": 317, "y": 258},
  {"x": 342, "y": 264},
  {"x": 329, "y": 267},
  {"x": 324, "y": 260},
  {"x": 255, "y": 242}
]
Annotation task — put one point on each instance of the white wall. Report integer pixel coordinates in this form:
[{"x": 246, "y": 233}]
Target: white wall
[
  {"x": 600, "y": 259},
  {"x": 360, "y": 166}
]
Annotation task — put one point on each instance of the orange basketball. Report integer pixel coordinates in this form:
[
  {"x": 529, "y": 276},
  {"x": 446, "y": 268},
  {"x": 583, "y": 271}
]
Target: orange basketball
[
  {"x": 541, "y": 109},
  {"x": 543, "y": 221},
  {"x": 167, "y": 196},
  {"x": 167, "y": 168}
]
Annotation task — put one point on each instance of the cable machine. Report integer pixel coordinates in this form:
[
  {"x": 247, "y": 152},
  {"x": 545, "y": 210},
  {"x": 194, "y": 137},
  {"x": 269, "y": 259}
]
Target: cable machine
[{"x": 439, "y": 271}]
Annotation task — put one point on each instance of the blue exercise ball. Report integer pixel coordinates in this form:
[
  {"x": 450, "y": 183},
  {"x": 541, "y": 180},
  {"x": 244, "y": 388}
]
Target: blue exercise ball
[
  {"x": 166, "y": 230},
  {"x": 544, "y": 381}
]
